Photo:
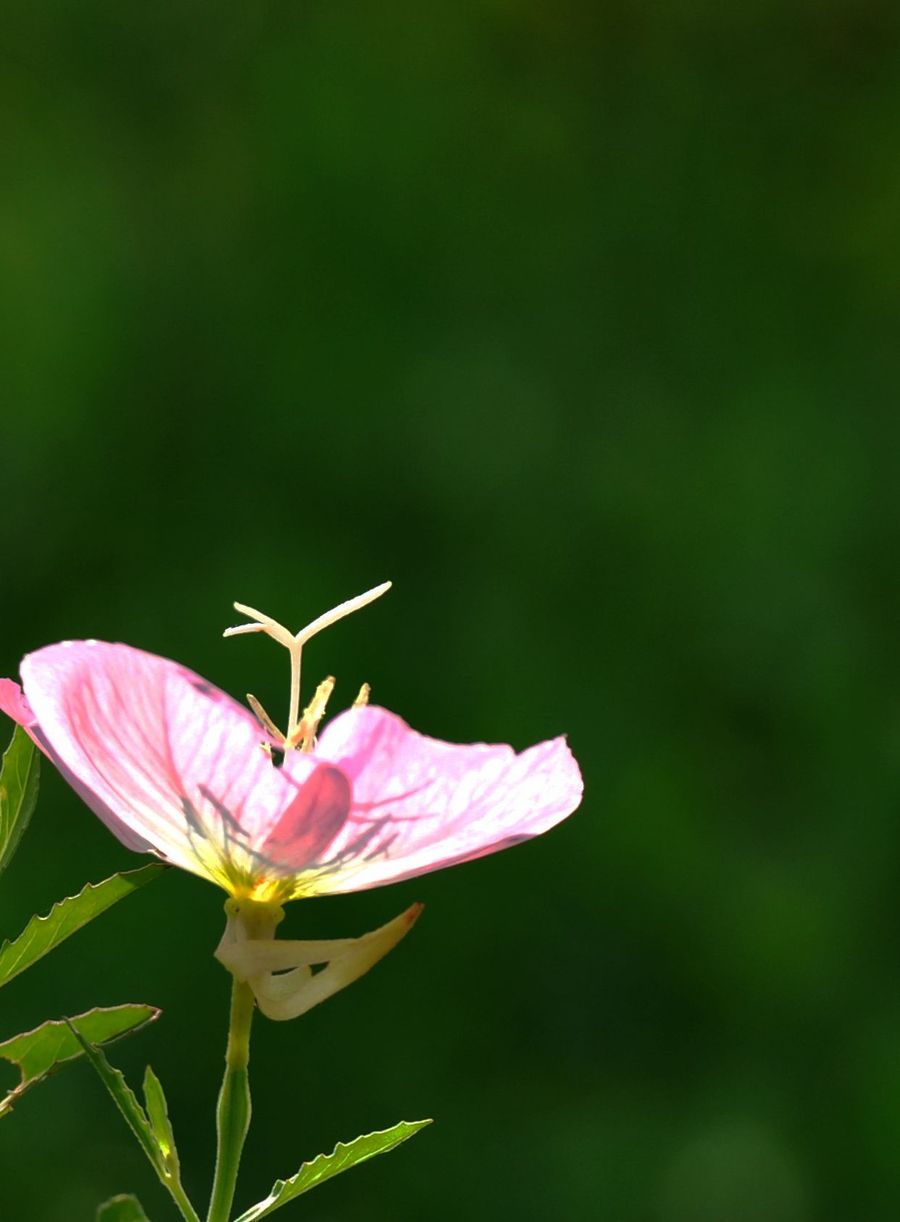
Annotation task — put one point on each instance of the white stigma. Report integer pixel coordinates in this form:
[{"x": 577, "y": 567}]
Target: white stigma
[{"x": 294, "y": 642}]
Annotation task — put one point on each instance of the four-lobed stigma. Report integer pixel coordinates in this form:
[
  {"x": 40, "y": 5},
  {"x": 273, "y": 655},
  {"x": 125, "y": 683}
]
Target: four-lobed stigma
[{"x": 301, "y": 730}]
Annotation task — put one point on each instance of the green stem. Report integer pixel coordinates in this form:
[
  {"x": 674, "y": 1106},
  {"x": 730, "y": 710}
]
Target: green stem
[
  {"x": 233, "y": 1110},
  {"x": 179, "y": 1196}
]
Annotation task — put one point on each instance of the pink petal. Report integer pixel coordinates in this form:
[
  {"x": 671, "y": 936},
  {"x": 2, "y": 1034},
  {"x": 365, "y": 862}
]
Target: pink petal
[
  {"x": 420, "y": 804},
  {"x": 311, "y": 822},
  {"x": 14, "y": 704},
  {"x": 157, "y": 751}
]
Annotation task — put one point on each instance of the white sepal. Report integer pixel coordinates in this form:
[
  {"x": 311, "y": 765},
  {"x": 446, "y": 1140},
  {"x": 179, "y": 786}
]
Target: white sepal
[{"x": 280, "y": 973}]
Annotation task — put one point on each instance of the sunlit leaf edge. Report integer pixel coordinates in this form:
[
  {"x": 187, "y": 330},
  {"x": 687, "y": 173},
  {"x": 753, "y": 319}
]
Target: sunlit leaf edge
[
  {"x": 325, "y": 1166},
  {"x": 43, "y": 934},
  {"x": 132, "y": 1017}
]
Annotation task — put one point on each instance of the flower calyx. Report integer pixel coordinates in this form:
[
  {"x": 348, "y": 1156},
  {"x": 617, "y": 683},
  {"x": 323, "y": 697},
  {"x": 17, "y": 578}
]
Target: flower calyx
[{"x": 281, "y": 973}]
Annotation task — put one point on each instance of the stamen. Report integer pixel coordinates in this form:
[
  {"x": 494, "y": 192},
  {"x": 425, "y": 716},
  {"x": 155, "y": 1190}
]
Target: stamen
[
  {"x": 264, "y": 719},
  {"x": 305, "y": 738},
  {"x": 298, "y": 733},
  {"x": 363, "y": 698}
]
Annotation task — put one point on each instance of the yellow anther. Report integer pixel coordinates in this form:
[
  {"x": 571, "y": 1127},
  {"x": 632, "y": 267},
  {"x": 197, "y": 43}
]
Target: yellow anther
[
  {"x": 305, "y": 738},
  {"x": 363, "y": 698}
]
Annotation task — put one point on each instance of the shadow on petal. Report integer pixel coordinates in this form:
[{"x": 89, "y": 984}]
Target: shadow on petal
[{"x": 310, "y": 822}]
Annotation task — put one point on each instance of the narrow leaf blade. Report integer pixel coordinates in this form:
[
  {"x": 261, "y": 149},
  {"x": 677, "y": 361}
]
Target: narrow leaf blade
[
  {"x": 126, "y": 1101},
  {"x": 19, "y": 773},
  {"x": 144, "y": 1127},
  {"x": 43, "y": 934},
  {"x": 121, "y": 1209},
  {"x": 40, "y": 1052},
  {"x": 158, "y": 1116},
  {"x": 326, "y": 1166}
]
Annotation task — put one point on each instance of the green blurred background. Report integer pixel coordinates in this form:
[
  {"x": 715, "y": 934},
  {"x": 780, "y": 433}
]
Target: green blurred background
[{"x": 579, "y": 322}]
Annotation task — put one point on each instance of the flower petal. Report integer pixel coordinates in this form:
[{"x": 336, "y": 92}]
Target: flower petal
[
  {"x": 310, "y": 823},
  {"x": 420, "y": 804},
  {"x": 155, "y": 748},
  {"x": 14, "y": 704}
]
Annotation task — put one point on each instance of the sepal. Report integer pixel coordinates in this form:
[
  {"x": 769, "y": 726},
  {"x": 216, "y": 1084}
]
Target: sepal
[{"x": 280, "y": 973}]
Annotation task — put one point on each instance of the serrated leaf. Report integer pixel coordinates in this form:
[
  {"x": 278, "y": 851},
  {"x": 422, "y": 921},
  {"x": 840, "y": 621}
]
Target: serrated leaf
[
  {"x": 43, "y": 934},
  {"x": 125, "y": 1100},
  {"x": 121, "y": 1209},
  {"x": 39, "y": 1052},
  {"x": 326, "y": 1166},
  {"x": 19, "y": 772},
  {"x": 140, "y": 1124}
]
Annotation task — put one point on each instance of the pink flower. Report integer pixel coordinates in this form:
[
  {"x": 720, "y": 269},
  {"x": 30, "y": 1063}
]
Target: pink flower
[
  {"x": 173, "y": 765},
  {"x": 176, "y": 767}
]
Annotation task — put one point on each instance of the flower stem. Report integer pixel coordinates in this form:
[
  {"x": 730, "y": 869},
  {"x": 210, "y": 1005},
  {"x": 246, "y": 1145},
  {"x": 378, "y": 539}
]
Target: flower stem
[
  {"x": 233, "y": 1110},
  {"x": 186, "y": 1209}
]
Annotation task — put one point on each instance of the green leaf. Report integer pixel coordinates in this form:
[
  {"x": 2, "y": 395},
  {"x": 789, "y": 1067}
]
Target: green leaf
[
  {"x": 158, "y": 1116},
  {"x": 325, "y": 1166},
  {"x": 126, "y": 1101},
  {"x": 43, "y": 934},
  {"x": 19, "y": 771},
  {"x": 39, "y": 1052},
  {"x": 121, "y": 1209},
  {"x": 153, "y": 1132}
]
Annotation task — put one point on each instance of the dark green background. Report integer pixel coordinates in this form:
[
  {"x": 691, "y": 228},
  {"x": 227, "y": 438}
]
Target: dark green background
[{"x": 579, "y": 322}]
